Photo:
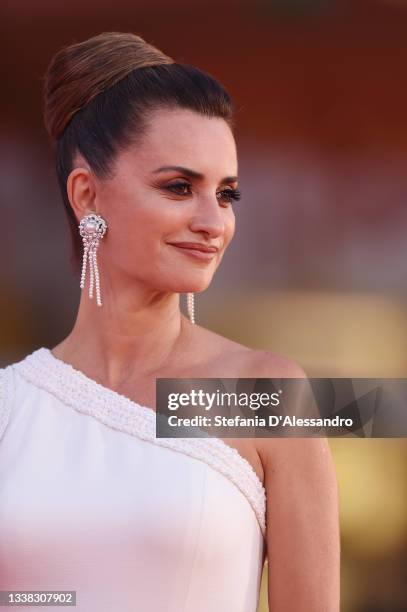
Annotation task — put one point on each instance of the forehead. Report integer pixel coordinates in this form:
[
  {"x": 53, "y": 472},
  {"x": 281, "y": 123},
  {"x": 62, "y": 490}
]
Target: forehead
[{"x": 183, "y": 137}]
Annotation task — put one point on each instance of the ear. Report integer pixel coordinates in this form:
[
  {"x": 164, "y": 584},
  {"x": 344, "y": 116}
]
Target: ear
[{"x": 81, "y": 191}]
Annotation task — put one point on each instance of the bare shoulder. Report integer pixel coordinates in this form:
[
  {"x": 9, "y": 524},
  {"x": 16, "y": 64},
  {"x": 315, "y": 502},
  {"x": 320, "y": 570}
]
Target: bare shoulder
[
  {"x": 267, "y": 364},
  {"x": 246, "y": 361},
  {"x": 229, "y": 358}
]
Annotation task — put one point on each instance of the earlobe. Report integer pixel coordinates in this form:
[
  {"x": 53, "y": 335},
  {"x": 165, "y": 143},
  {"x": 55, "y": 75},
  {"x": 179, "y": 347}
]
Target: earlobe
[{"x": 81, "y": 191}]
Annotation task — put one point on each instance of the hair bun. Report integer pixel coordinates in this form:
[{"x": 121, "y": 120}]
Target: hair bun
[{"x": 79, "y": 72}]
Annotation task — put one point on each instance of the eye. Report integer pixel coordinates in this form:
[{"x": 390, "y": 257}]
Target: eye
[
  {"x": 179, "y": 188},
  {"x": 230, "y": 195},
  {"x": 226, "y": 195}
]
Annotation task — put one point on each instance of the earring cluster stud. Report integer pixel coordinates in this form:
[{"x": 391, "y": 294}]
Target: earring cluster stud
[{"x": 92, "y": 228}]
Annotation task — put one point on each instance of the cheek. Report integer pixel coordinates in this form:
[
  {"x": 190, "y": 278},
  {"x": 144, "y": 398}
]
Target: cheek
[
  {"x": 150, "y": 213},
  {"x": 230, "y": 225},
  {"x": 137, "y": 230}
]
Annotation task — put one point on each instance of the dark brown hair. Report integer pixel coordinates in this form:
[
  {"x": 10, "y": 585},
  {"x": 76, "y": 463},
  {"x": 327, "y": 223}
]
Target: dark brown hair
[{"x": 98, "y": 95}]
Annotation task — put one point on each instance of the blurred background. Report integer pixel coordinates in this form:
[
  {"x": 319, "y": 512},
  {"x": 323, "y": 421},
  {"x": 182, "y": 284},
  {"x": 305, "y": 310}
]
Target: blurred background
[{"x": 318, "y": 266}]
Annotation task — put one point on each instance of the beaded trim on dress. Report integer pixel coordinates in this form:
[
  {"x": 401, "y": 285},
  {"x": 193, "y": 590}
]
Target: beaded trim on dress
[{"x": 84, "y": 394}]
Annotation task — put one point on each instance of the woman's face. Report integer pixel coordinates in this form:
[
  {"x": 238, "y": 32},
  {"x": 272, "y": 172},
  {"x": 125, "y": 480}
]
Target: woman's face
[{"x": 174, "y": 187}]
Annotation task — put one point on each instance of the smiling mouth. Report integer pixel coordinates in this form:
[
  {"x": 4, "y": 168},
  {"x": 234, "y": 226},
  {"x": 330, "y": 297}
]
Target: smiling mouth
[{"x": 195, "y": 253}]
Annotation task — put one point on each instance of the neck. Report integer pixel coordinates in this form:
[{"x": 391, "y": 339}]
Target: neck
[{"x": 141, "y": 332}]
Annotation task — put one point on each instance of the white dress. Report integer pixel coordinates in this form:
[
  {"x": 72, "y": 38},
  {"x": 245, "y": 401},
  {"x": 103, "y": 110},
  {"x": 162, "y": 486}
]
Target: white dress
[{"x": 91, "y": 501}]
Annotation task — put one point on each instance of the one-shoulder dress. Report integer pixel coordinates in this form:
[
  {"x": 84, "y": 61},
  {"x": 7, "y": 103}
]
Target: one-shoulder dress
[{"x": 92, "y": 502}]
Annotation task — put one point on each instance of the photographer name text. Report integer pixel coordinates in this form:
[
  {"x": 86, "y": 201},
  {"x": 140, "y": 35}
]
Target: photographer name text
[{"x": 256, "y": 421}]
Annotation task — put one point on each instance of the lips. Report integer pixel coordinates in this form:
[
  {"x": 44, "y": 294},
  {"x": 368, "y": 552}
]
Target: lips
[
  {"x": 198, "y": 252},
  {"x": 195, "y": 246}
]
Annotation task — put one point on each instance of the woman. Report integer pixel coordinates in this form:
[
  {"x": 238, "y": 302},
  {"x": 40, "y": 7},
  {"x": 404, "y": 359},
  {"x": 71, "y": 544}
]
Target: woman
[{"x": 91, "y": 500}]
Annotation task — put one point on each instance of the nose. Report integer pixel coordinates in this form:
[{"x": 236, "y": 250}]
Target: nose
[{"x": 208, "y": 218}]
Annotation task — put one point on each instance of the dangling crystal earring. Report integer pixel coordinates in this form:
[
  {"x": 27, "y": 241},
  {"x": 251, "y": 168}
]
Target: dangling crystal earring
[
  {"x": 191, "y": 307},
  {"x": 92, "y": 228}
]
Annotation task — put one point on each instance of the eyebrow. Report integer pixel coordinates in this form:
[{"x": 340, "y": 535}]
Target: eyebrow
[{"x": 194, "y": 174}]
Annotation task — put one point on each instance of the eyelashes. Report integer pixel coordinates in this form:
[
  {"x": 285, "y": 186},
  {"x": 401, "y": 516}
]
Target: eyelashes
[
  {"x": 234, "y": 194},
  {"x": 228, "y": 195}
]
